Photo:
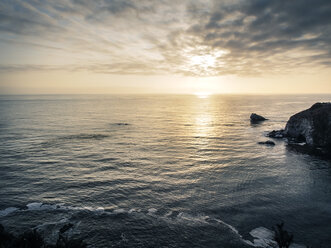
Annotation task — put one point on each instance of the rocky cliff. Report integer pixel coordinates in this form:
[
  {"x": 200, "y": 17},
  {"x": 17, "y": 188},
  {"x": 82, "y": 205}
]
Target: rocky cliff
[{"x": 312, "y": 126}]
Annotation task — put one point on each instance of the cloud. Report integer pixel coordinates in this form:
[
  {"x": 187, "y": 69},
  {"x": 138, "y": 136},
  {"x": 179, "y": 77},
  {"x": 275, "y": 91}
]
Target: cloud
[
  {"x": 195, "y": 38},
  {"x": 266, "y": 35}
]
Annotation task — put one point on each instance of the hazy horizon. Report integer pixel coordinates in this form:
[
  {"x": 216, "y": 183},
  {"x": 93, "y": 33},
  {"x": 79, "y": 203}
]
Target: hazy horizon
[{"x": 197, "y": 94}]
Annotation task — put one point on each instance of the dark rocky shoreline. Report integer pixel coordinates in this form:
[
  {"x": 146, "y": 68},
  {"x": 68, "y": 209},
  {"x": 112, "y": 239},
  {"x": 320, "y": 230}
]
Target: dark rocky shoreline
[
  {"x": 308, "y": 131},
  {"x": 33, "y": 239}
]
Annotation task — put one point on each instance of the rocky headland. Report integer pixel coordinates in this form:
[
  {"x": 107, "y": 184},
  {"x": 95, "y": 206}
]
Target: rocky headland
[{"x": 309, "y": 131}]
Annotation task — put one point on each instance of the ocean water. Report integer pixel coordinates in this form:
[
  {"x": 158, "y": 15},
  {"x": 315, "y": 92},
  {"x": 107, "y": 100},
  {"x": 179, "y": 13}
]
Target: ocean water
[{"x": 159, "y": 171}]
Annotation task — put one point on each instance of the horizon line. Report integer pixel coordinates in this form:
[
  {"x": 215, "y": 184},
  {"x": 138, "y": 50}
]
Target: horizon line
[{"x": 156, "y": 93}]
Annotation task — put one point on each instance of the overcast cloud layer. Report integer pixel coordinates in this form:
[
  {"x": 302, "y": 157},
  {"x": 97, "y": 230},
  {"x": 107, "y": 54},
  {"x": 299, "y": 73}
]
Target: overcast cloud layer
[{"x": 196, "y": 38}]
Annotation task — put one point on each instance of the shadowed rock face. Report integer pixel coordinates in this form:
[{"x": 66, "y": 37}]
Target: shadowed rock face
[{"x": 312, "y": 126}]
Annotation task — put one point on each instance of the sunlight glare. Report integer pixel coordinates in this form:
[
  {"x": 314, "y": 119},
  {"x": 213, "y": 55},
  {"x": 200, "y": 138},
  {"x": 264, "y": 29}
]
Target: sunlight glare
[
  {"x": 204, "y": 61},
  {"x": 202, "y": 94}
]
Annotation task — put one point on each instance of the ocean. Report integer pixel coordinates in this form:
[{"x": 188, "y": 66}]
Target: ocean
[{"x": 159, "y": 170}]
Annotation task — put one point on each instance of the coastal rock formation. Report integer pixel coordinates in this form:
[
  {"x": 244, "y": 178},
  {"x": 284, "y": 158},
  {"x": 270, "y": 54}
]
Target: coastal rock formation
[
  {"x": 312, "y": 127},
  {"x": 277, "y": 134},
  {"x": 268, "y": 142},
  {"x": 255, "y": 118}
]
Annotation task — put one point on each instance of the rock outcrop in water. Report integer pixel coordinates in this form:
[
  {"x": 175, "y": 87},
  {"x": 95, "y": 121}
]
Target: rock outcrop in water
[
  {"x": 255, "y": 118},
  {"x": 312, "y": 127},
  {"x": 268, "y": 142},
  {"x": 277, "y": 134}
]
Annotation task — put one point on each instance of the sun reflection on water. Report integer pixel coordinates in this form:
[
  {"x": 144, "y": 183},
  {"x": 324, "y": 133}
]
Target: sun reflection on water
[{"x": 204, "y": 116}]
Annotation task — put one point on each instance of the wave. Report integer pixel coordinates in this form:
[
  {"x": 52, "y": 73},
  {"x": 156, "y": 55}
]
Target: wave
[
  {"x": 119, "y": 211},
  {"x": 262, "y": 237},
  {"x": 38, "y": 206},
  {"x": 8, "y": 211},
  {"x": 152, "y": 211}
]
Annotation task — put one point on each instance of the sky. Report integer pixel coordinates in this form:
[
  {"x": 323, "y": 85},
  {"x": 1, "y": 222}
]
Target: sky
[{"x": 165, "y": 46}]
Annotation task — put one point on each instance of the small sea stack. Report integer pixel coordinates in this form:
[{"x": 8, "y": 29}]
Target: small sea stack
[{"x": 255, "y": 118}]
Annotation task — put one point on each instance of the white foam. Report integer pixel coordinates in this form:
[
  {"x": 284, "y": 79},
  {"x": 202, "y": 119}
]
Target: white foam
[
  {"x": 99, "y": 210},
  {"x": 132, "y": 210},
  {"x": 7, "y": 211},
  {"x": 152, "y": 210},
  {"x": 263, "y": 237},
  {"x": 228, "y": 225},
  {"x": 38, "y": 206},
  {"x": 262, "y": 233},
  {"x": 34, "y": 205},
  {"x": 168, "y": 214},
  {"x": 86, "y": 208},
  {"x": 119, "y": 211},
  {"x": 191, "y": 218}
]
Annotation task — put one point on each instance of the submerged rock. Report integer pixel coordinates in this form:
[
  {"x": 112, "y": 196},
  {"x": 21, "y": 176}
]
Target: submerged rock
[
  {"x": 268, "y": 142},
  {"x": 121, "y": 124},
  {"x": 255, "y": 118},
  {"x": 277, "y": 134}
]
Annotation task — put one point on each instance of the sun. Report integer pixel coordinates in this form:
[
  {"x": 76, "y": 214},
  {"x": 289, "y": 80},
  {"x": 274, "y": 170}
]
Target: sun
[{"x": 202, "y": 94}]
